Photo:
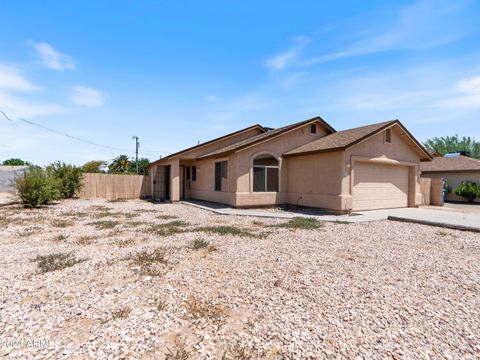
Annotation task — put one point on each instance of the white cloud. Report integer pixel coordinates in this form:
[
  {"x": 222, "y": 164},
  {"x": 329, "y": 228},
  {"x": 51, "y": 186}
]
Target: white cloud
[
  {"x": 16, "y": 106},
  {"x": 417, "y": 26},
  {"x": 86, "y": 96},
  {"x": 469, "y": 97},
  {"x": 12, "y": 78},
  {"x": 53, "y": 59},
  {"x": 286, "y": 58},
  {"x": 212, "y": 98}
]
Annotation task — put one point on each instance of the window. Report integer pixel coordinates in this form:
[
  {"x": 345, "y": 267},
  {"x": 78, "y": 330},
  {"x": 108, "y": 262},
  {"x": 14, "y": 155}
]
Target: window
[
  {"x": 313, "y": 129},
  {"x": 221, "y": 174},
  {"x": 194, "y": 173},
  {"x": 388, "y": 136},
  {"x": 265, "y": 174}
]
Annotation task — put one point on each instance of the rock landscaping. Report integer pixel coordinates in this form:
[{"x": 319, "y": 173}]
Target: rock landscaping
[{"x": 132, "y": 279}]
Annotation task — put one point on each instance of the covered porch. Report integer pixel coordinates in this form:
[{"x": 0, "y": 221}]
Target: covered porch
[{"x": 171, "y": 181}]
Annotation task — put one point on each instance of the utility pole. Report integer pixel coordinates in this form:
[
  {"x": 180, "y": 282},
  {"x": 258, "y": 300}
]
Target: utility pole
[{"x": 137, "y": 144}]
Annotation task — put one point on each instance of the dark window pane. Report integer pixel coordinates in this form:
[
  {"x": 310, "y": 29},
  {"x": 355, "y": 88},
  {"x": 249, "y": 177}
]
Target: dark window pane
[
  {"x": 218, "y": 176},
  {"x": 265, "y": 161},
  {"x": 194, "y": 173},
  {"x": 272, "y": 179},
  {"x": 258, "y": 179},
  {"x": 313, "y": 128},
  {"x": 224, "y": 169}
]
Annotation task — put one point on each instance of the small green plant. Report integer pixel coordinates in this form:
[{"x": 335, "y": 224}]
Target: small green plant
[
  {"x": 147, "y": 262},
  {"x": 117, "y": 200},
  {"x": 59, "y": 238},
  {"x": 167, "y": 229},
  {"x": 468, "y": 189},
  {"x": 198, "y": 244},
  {"x": 301, "y": 223},
  {"x": 179, "y": 352},
  {"x": 198, "y": 309},
  {"x": 166, "y": 217},
  {"x": 62, "y": 223},
  {"x": 121, "y": 313},
  {"x": 85, "y": 240},
  {"x": 56, "y": 261},
  {"x": 160, "y": 304},
  {"x": 36, "y": 187},
  {"x": 104, "y": 224}
]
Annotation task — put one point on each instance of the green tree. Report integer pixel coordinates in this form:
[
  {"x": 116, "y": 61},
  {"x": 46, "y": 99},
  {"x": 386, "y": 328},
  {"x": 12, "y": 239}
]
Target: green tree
[
  {"x": 15, "y": 162},
  {"x": 94, "y": 166},
  {"x": 452, "y": 144},
  {"x": 119, "y": 165},
  {"x": 68, "y": 178},
  {"x": 142, "y": 166}
]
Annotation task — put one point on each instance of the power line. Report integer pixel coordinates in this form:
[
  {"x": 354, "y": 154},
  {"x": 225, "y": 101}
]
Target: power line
[{"x": 77, "y": 138}]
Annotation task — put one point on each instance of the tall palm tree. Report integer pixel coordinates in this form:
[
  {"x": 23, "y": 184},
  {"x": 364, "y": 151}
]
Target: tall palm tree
[{"x": 119, "y": 165}]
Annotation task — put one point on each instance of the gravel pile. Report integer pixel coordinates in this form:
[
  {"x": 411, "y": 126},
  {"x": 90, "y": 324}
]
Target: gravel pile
[{"x": 106, "y": 280}]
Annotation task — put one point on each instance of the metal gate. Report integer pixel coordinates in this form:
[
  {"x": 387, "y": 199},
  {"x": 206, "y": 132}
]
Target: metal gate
[{"x": 161, "y": 183}]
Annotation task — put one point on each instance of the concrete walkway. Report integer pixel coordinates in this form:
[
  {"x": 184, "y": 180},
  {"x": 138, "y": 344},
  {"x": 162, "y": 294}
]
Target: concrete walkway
[{"x": 448, "y": 219}]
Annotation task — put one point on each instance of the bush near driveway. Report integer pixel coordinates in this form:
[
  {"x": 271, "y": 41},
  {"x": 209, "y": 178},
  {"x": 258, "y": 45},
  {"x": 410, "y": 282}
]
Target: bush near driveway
[{"x": 468, "y": 189}]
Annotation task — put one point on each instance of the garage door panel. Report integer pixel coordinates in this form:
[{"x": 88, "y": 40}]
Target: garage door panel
[{"x": 379, "y": 186}]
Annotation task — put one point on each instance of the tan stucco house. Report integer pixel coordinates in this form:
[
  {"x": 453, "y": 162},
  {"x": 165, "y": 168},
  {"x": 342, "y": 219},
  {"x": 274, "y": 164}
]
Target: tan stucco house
[
  {"x": 453, "y": 170},
  {"x": 308, "y": 163}
]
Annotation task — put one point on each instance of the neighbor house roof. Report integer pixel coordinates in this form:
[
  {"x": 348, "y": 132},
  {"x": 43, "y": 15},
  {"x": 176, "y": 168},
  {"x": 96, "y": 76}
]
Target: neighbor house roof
[
  {"x": 261, "y": 137},
  {"x": 260, "y": 127},
  {"x": 342, "y": 140},
  {"x": 451, "y": 163}
]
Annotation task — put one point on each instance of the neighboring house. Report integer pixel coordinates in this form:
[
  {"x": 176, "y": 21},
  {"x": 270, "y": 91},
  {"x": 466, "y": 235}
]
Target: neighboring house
[
  {"x": 454, "y": 170},
  {"x": 307, "y": 163},
  {"x": 7, "y": 177}
]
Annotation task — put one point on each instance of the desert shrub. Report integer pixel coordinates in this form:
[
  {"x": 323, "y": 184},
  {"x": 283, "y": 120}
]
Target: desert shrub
[
  {"x": 57, "y": 261},
  {"x": 302, "y": 223},
  {"x": 468, "y": 189},
  {"x": 68, "y": 178},
  {"x": 36, "y": 187}
]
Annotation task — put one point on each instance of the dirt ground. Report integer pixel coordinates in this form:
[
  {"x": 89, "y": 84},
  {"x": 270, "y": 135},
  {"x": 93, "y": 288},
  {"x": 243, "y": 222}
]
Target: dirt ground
[{"x": 107, "y": 280}]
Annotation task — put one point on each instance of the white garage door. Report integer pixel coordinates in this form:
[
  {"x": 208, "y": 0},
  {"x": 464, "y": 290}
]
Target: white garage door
[{"x": 379, "y": 186}]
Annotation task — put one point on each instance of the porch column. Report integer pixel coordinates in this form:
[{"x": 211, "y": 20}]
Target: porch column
[{"x": 175, "y": 180}]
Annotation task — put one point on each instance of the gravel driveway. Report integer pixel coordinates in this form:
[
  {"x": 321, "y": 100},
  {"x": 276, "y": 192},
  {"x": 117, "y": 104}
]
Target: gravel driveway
[{"x": 137, "y": 280}]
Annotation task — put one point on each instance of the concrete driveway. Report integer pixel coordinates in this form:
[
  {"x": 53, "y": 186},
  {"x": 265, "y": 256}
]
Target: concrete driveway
[
  {"x": 428, "y": 216},
  {"x": 434, "y": 216}
]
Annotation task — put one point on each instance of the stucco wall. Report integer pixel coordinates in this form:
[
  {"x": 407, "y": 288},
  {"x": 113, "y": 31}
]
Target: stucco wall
[
  {"x": 453, "y": 179},
  {"x": 315, "y": 180},
  {"x": 7, "y": 177},
  {"x": 240, "y": 176}
]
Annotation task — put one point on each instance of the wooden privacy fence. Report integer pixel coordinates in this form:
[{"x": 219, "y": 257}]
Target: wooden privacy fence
[
  {"x": 432, "y": 191},
  {"x": 109, "y": 186}
]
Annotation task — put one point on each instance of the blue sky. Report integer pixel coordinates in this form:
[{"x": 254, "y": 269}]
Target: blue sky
[{"x": 178, "y": 72}]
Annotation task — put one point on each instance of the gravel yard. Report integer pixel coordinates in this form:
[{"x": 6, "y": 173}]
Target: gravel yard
[{"x": 99, "y": 279}]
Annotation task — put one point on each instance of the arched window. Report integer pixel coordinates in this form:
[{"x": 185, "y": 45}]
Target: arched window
[{"x": 265, "y": 173}]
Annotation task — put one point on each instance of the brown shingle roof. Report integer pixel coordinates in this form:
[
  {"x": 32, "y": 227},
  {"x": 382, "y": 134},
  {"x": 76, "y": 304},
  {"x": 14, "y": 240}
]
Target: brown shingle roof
[
  {"x": 257, "y": 138},
  {"x": 260, "y": 127},
  {"x": 451, "y": 163},
  {"x": 340, "y": 140}
]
